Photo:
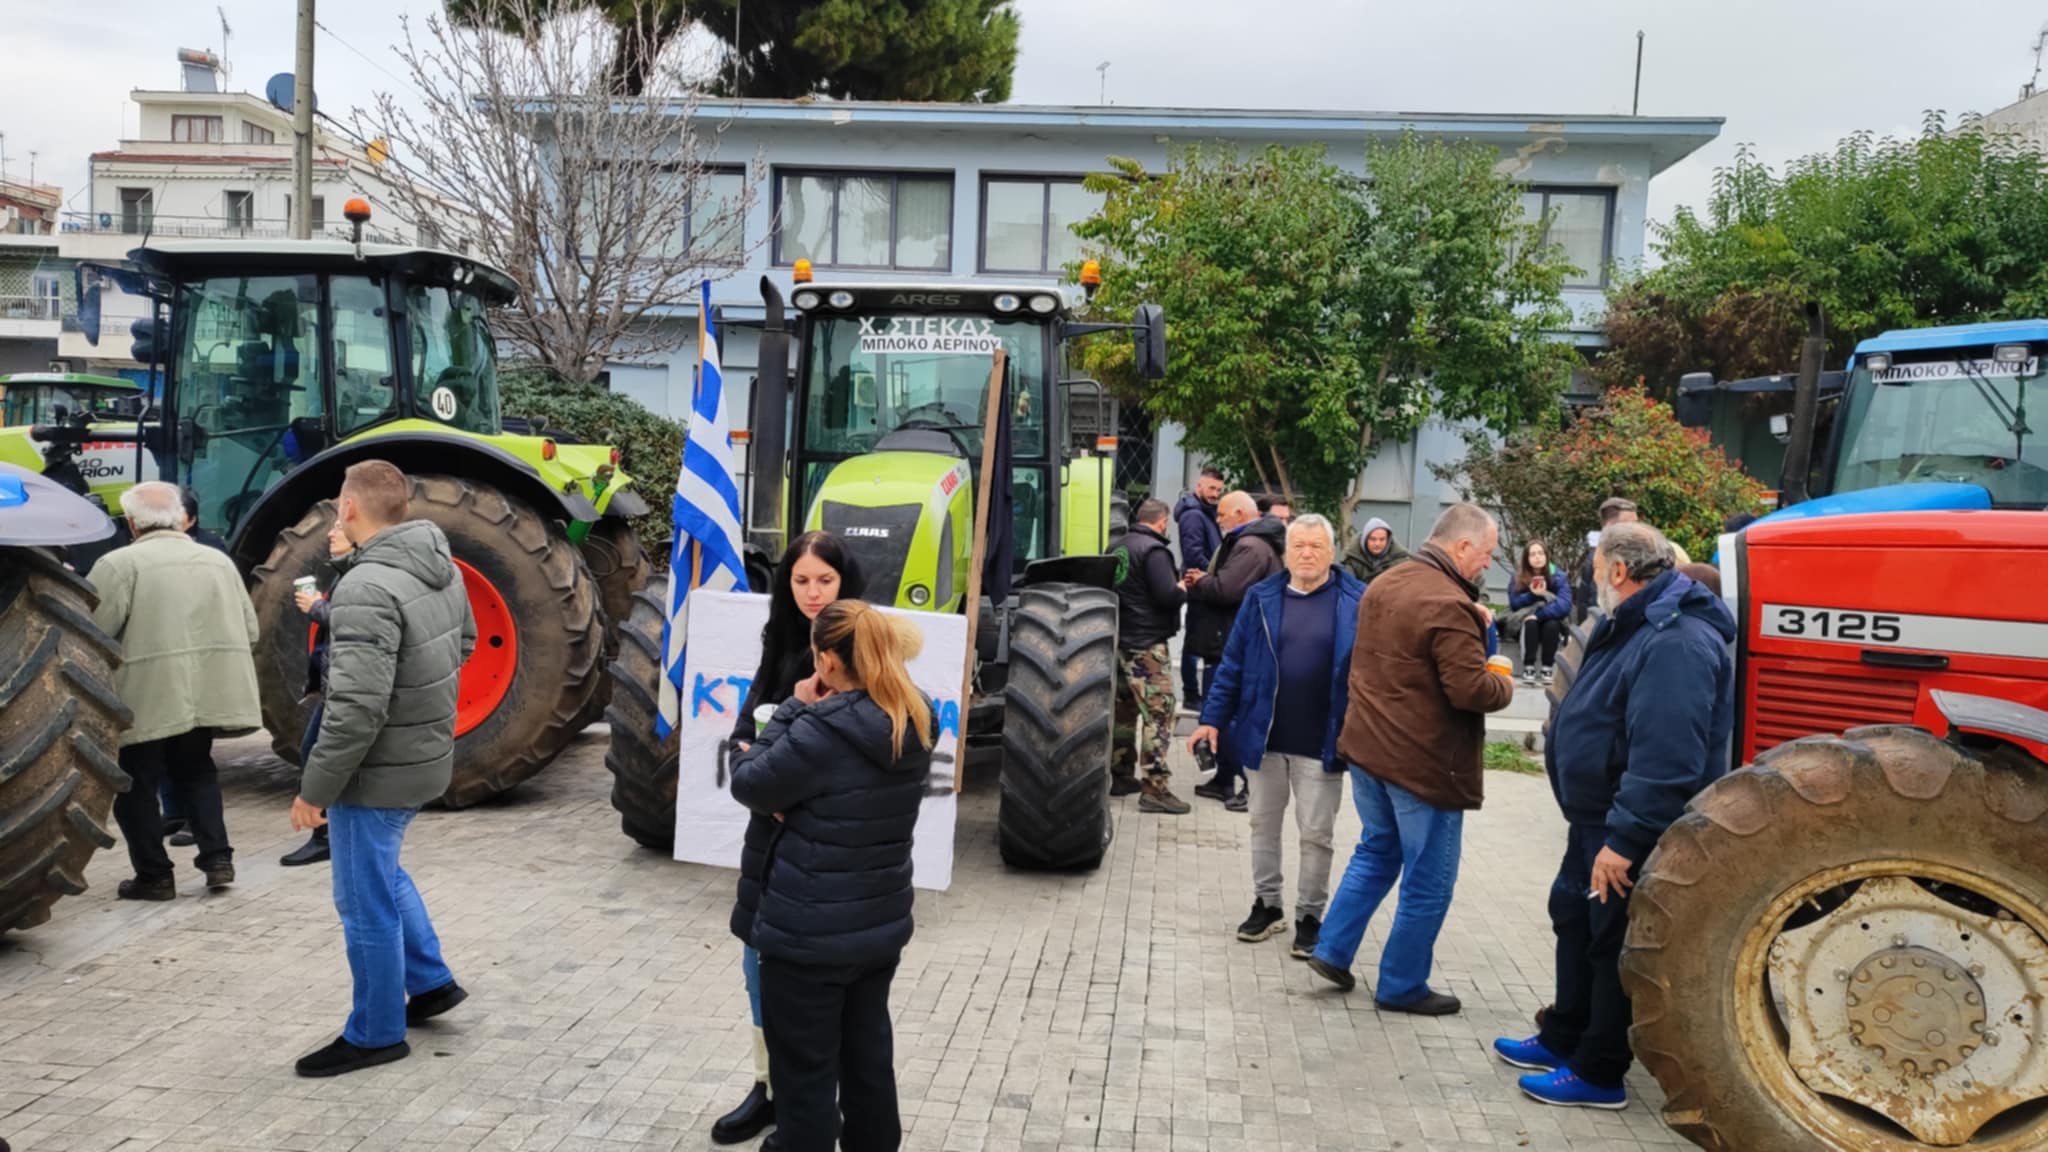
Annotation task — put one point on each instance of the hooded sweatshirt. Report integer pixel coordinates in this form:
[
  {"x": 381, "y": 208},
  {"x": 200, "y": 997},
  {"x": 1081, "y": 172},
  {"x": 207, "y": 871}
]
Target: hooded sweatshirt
[
  {"x": 1365, "y": 565},
  {"x": 400, "y": 629},
  {"x": 1195, "y": 519},
  {"x": 1646, "y": 724},
  {"x": 833, "y": 886}
]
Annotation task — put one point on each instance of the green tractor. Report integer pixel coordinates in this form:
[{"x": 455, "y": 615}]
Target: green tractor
[
  {"x": 889, "y": 407},
  {"x": 284, "y": 362},
  {"x": 60, "y": 721}
]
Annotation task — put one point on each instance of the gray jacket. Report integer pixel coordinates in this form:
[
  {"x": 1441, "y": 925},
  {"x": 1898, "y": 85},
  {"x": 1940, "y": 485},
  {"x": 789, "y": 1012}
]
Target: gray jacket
[{"x": 401, "y": 628}]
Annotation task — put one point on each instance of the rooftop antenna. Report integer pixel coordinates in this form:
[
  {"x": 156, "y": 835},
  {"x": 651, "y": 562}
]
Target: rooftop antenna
[
  {"x": 32, "y": 154},
  {"x": 225, "y": 32},
  {"x": 2040, "y": 43},
  {"x": 3, "y": 157},
  {"x": 1102, "y": 70},
  {"x": 1635, "y": 102}
]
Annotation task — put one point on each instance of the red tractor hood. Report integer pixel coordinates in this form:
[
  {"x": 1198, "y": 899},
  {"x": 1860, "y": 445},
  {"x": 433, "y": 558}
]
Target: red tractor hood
[{"x": 1854, "y": 620}]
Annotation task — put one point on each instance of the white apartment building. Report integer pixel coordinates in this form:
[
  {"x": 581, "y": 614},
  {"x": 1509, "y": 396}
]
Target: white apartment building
[{"x": 207, "y": 163}]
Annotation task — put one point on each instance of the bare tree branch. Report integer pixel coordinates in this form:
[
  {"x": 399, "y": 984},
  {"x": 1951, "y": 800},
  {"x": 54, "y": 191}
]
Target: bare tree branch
[{"x": 604, "y": 206}]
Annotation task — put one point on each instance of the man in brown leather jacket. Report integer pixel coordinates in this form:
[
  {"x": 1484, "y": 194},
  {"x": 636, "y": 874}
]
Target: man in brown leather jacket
[{"x": 1414, "y": 733}]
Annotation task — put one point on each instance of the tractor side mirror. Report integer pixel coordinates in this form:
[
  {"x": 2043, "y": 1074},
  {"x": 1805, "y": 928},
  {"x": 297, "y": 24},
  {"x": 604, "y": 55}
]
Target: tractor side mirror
[
  {"x": 1694, "y": 404},
  {"x": 1150, "y": 322}
]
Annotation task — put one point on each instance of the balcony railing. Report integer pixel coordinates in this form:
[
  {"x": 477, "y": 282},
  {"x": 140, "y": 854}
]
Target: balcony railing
[
  {"x": 212, "y": 227},
  {"x": 30, "y": 308}
]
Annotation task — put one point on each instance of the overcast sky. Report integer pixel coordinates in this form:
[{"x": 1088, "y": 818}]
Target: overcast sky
[{"x": 1790, "y": 78}]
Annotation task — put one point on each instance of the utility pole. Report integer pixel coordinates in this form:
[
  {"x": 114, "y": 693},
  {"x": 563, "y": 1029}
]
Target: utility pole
[
  {"x": 736, "y": 14},
  {"x": 1635, "y": 102},
  {"x": 302, "y": 128}
]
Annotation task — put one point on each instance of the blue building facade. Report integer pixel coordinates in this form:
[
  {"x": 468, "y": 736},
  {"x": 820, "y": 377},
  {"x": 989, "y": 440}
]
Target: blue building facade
[{"x": 924, "y": 192}]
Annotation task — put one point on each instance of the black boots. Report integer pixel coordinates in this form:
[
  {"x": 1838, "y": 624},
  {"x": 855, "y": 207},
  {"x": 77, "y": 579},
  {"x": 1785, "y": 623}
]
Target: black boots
[
  {"x": 313, "y": 851},
  {"x": 745, "y": 1122}
]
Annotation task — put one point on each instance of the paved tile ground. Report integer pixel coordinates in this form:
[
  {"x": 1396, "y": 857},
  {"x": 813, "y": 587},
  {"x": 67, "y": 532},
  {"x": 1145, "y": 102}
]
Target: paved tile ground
[{"x": 1111, "y": 1010}]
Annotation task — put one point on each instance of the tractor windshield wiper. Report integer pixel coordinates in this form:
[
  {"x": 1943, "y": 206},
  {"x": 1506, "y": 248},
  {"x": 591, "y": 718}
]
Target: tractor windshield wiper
[{"x": 2013, "y": 416}]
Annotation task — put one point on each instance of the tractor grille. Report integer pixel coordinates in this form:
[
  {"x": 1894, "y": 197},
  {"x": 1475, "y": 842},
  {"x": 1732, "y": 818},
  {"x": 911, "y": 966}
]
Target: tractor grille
[
  {"x": 1791, "y": 703},
  {"x": 879, "y": 541}
]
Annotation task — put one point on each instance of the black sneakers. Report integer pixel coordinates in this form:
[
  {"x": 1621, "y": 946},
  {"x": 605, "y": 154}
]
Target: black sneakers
[
  {"x": 1265, "y": 922},
  {"x": 342, "y": 1056},
  {"x": 429, "y": 1004},
  {"x": 1307, "y": 931}
]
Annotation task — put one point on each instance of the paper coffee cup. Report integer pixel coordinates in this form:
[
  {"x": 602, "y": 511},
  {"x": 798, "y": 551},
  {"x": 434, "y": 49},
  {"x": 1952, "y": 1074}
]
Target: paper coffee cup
[
  {"x": 307, "y": 584},
  {"x": 1502, "y": 665}
]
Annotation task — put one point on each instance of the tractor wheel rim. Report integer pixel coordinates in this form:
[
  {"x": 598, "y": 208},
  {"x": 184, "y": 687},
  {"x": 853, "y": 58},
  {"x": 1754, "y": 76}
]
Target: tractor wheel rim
[
  {"x": 1783, "y": 1061},
  {"x": 487, "y": 674}
]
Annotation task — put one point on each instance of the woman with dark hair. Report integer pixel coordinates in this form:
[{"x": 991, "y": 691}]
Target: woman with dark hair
[
  {"x": 842, "y": 779},
  {"x": 1540, "y": 589},
  {"x": 815, "y": 572}
]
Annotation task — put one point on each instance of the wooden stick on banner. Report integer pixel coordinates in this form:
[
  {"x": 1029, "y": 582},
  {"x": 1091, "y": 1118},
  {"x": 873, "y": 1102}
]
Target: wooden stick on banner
[{"x": 991, "y": 426}]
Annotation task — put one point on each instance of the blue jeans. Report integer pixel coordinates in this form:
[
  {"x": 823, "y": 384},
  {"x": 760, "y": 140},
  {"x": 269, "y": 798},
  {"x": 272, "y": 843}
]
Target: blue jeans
[
  {"x": 392, "y": 950},
  {"x": 750, "y": 964},
  {"x": 1404, "y": 838}
]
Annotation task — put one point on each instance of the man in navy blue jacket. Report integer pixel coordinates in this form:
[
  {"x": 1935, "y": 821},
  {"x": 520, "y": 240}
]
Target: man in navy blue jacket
[
  {"x": 1194, "y": 517},
  {"x": 1276, "y": 707},
  {"x": 1644, "y": 729}
]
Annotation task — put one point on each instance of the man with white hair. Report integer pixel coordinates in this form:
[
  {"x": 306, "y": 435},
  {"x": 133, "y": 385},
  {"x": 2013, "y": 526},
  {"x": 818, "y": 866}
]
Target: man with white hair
[
  {"x": 187, "y": 633},
  {"x": 1420, "y": 688},
  {"x": 1276, "y": 707}
]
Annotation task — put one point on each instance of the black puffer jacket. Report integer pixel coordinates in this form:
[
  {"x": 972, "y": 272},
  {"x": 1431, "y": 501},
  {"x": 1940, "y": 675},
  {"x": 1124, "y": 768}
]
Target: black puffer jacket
[
  {"x": 834, "y": 883},
  {"x": 785, "y": 673},
  {"x": 1149, "y": 597}
]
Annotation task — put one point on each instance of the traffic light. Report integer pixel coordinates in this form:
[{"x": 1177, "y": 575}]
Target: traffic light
[{"x": 147, "y": 332}]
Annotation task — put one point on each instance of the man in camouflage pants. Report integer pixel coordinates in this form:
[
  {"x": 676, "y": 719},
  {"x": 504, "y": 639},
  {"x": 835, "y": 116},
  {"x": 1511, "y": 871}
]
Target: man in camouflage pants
[{"x": 1149, "y": 600}]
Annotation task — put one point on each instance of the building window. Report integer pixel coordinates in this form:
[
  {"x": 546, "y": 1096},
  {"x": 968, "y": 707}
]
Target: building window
[
  {"x": 255, "y": 134},
  {"x": 717, "y": 217},
  {"x": 196, "y": 129},
  {"x": 1582, "y": 223},
  {"x": 864, "y": 219},
  {"x": 138, "y": 205},
  {"x": 319, "y": 221},
  {"x": 48, "y": 290},
  {"x": 239, "y": 209},
  {"x": 1026, "y": 222}
]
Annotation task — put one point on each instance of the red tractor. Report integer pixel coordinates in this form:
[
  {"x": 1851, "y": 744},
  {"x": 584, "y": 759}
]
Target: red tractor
[{"x": 1845, "y": 944}]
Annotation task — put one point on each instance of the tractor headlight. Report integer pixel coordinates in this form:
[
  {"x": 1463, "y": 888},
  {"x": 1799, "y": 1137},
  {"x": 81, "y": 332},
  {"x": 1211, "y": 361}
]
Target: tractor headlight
[
  {"x": 1045, "y": 305},
  {"x": 920, "y": 595},
  {"x": 1006, "y": 302},
  {"x": 841, "y": 299},
  {"x": 807, "y": 300}
]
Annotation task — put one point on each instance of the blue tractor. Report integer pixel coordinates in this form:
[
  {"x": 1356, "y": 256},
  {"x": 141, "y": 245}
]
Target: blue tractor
[{"x": 60, "y": 719}]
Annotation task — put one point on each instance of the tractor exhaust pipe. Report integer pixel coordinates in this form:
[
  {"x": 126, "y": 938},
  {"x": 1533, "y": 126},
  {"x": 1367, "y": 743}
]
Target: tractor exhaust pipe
[
  {"x": 1792, "y": 488},
  {"x": 769, "y": 452}
]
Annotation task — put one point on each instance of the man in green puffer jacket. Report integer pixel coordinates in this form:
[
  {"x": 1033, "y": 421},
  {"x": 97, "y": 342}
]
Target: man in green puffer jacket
[{"x": 401, "y": 629}]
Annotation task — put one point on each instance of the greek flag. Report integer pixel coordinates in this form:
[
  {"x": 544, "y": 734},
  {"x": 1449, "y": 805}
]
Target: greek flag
[{"x": 706, "y": 553}]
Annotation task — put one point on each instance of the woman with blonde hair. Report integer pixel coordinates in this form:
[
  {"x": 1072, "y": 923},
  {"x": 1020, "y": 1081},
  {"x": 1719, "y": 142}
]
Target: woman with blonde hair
[{"x": 844, "y": 774}]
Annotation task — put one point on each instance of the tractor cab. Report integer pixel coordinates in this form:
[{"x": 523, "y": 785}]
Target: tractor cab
[
  {"x": 1945, "y": 405},
  {"x": 31, "y": 398},
  {"x": 890, "y": 411},
  {"x": 274, "y": 352}
]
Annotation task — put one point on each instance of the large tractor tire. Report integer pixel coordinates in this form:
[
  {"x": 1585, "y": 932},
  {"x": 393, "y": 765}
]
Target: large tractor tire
[
  {"x": 1059, "y": 708},
  {"x": 60, "y": 725},
  {"x": 1846, "y": 946},
  {"x": 643, "y": 768},
  {"x": 619, "y": 564},
  {"x": 539, "y": 633}
]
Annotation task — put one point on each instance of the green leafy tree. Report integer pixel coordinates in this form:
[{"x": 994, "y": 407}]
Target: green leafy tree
[
  {"x": 1944, "y": 228},
  {"x": 1312, "y": 315},
  {"x": 1547, "y": 482},
  {"x": 939, "y": 50}
]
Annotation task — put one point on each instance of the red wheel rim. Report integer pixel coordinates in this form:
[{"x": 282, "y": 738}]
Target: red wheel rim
[{"x": 487, "y": 675}]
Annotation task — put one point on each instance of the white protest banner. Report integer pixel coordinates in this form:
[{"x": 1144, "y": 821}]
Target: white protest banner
[{"x": 724, "y": 648}]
